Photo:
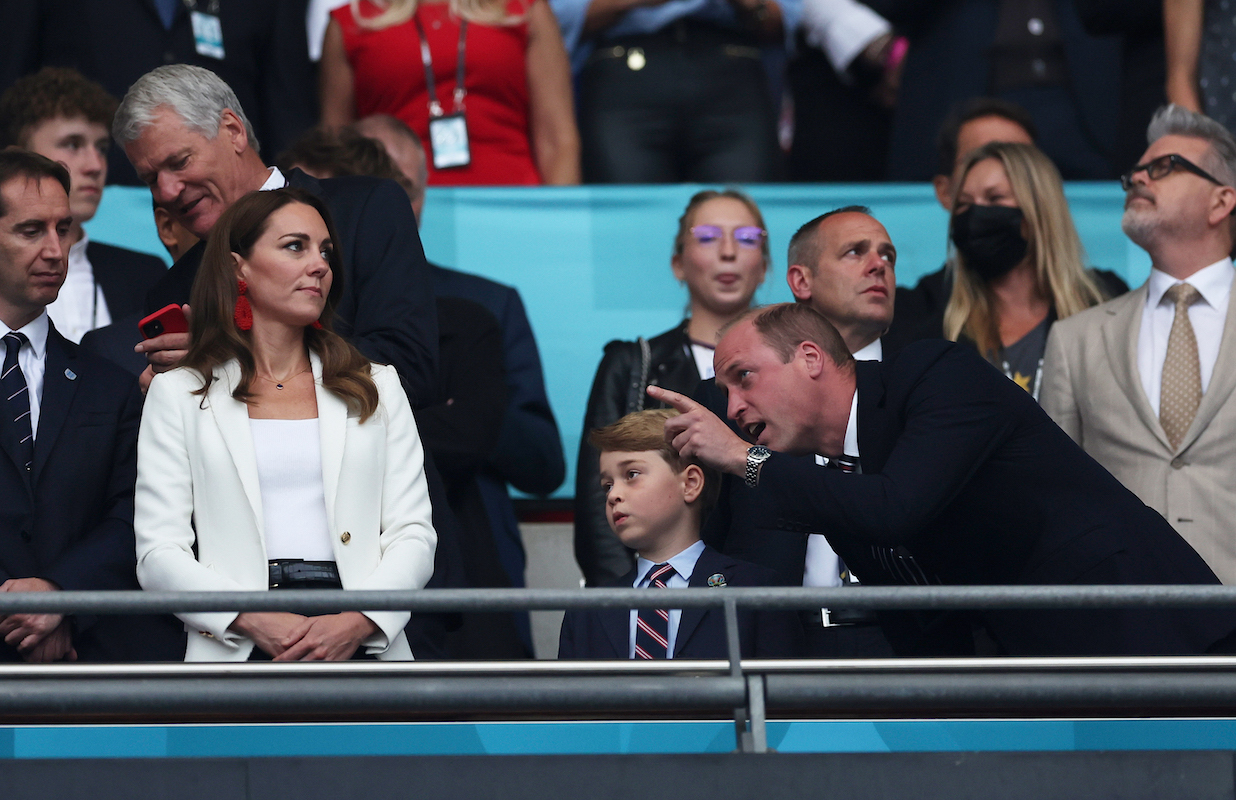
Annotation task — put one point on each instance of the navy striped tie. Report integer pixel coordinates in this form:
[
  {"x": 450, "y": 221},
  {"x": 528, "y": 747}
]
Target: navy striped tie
[
  {"x": 652, "y": 625},
  {"x": 17, "y": 431}
]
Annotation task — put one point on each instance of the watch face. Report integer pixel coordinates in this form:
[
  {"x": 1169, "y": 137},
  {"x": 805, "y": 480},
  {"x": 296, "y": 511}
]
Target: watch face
[{"x": 758, "y": 451}]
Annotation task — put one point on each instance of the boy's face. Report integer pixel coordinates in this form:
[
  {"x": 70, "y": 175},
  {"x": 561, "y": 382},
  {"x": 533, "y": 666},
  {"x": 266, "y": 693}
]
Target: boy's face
[{"x": 644, "y": 498}]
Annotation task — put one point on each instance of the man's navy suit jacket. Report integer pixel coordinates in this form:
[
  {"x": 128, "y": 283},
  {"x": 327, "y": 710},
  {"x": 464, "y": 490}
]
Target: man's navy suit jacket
[
  {"x": 964, "y": 475},
  {"x": 70, "y": 521},
  {"x": 605, "y": 633},
  {"x": 387, "y": 308},
  {"x": 125, "y": 276}
]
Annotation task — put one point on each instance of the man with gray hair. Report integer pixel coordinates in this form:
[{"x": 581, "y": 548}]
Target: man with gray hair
[
  {"x": 189, "y": 140},
  {"x": 1143, "y": 382}
]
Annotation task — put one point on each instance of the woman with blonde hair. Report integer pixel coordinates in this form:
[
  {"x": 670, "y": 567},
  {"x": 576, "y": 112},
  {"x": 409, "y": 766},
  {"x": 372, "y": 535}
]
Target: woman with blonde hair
[
  {"x": 277, "y": 456},
  {"x": 485, "y": 84},
  {"x": 1017, "y": 262}
]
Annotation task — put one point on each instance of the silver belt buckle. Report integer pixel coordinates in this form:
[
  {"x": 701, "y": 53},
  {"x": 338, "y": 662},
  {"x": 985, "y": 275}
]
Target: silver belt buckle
[{"x": 825, "y": 620}]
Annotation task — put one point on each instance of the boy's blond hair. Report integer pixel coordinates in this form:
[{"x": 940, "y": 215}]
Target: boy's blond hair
[{"x": 642, "y": 431}]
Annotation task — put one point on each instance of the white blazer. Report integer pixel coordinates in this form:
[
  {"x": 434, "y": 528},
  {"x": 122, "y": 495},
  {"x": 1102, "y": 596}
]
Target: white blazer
[{"x": 197, "y": 485}]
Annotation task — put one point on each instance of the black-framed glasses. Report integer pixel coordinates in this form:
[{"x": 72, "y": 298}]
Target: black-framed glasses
[{"x": 1163, "y": 166}]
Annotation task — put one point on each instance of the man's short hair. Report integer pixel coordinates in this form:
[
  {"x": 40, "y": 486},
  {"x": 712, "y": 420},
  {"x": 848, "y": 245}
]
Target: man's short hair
[
  {"x": 336, "y": 153},
  {"x": 784, "y": 326},
  {"x": 401, "y": 129},
  {"x": 643, "y": 431},
  {"x": 18, "y": 163},
  {"x": 805, "y": 244},
  {"x": 47, "y": 94},
  {"x": 972, "y": 109},
  {"x": 197, "y": 95},
  {"x": 1176, "y": 120}
]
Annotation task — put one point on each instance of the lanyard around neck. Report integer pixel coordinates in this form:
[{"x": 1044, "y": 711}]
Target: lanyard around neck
[{"x": 435, "y": 108}]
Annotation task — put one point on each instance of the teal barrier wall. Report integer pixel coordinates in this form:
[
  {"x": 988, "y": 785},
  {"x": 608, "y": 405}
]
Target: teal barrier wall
[
  {"x": 592, "y": 263},
  {"x": 545, "y": 738}
]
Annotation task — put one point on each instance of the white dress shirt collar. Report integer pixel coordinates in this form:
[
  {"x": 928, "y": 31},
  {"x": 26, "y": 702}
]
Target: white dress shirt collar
[
  {"x": 1214, "y": 283},
  {"x": 683, "y": 564},
  {"x": 872, "y": 352},
  {"x": 275, "y": 181}
]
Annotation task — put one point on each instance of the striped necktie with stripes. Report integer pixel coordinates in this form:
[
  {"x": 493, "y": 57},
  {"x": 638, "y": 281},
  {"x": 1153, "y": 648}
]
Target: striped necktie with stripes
[
  {"x": 652, "y": 625},
  {"x": 19, "y": 436}
]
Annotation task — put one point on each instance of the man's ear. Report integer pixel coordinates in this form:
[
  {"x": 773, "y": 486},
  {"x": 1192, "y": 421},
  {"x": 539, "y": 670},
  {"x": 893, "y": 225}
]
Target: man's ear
[
  {"x": 799, "y": 279},
  {"x": 1224, "y": 204},
  {"x": 813, "y": 358},
  {"x": 231, "y": 125},
  {"x": 943, "y": 184},
  {"x": 692, "y": 483}
]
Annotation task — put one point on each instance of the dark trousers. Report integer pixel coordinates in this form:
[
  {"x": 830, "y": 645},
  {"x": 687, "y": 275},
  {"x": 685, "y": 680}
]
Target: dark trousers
[{"x": 697, "y": 110}]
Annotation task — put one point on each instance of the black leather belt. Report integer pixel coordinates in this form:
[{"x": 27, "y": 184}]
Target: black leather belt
[{"x": 286, "y": 571}]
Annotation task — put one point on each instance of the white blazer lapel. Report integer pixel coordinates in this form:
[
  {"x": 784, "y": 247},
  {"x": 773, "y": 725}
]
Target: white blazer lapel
[
  {"x": 1120, "y": 335},
  {"x": 332, "y": 430},
  {"x": 232, "y": 418}
]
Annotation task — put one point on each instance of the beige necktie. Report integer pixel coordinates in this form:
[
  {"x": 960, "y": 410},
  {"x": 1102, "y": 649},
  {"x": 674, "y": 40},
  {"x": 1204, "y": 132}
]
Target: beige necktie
[{"x": 1181, "y": 392}]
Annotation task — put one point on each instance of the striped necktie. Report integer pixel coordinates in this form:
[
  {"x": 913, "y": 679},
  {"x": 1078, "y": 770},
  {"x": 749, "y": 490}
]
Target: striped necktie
[
  {"x": 652, "y": 625},
  {"x": 18, "y": 435}
]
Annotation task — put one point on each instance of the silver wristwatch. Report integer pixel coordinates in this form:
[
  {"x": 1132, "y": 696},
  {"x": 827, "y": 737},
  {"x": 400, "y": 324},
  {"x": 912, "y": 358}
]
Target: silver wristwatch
[{"x": 756, "y": 456}]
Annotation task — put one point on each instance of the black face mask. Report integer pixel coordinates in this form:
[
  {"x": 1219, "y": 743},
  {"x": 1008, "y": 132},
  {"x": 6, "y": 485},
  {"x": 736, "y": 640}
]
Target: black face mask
[{"x": 989, "y": 239}]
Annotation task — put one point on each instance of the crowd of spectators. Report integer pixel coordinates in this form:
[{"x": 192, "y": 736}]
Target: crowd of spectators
[{"x": 269, "y": 434}]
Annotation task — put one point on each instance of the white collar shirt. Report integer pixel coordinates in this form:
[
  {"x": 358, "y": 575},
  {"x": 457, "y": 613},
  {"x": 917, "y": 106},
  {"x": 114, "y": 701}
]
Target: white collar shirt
[
  {"x": 684, "y": 566},
  {"x": 80, "y": 307},
  {"x": 32, "y": 360},
  {"x": 822, "y": 566},
  {"x": 1207, "y": 317},
  {"x": 276, "y": 180}
]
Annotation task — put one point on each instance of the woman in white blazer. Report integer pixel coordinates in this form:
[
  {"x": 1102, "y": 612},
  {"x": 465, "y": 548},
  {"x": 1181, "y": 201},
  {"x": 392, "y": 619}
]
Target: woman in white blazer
[{"x": 277, "y": 456}]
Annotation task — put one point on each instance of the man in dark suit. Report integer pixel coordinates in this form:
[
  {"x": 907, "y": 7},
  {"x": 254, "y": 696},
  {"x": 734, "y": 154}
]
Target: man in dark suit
[
  {"x": 60, "y": 114},
  {"x": 962, "y": 479},
  {"x": 68, "y": 431},
  {"x": 189, "y": 139},
  {"x": 262, "y": 55}
]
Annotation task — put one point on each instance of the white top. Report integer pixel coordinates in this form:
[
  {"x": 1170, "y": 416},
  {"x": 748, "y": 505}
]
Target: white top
[
  {"x": 289, "y": 466},
  {"x": 823, "y": 566},
  {"x": 274, "y": 181},
  {"x": 1207, "y": 316},
  {"x": 32, "y": 361},
  {"x": 872, "y": 352},
  {"x": 684, "y": 565},
  {"x": 841, "y": 28},
  {"x": 80, "y": 306},
  {"x": 317, "y": 16},
  {"x": 703, "y": 360}
]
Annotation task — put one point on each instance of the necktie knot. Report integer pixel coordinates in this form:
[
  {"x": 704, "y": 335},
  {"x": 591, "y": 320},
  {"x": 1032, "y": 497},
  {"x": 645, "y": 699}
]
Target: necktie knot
[
  {"x": 13, "y": 342},
  {"x": 1183, "y": 295},
  {"x": 660, "y": 575}
]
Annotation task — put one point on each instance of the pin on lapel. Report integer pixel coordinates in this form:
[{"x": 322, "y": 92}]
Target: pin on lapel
[
  {"x": 717, "y": 579},
  {"x": 70, "y": 374}
]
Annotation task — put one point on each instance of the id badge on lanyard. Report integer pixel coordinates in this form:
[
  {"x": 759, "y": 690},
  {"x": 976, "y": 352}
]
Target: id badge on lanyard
[
  {"x": 448, "y": 133},
  {"x": 207, "y": 29}
]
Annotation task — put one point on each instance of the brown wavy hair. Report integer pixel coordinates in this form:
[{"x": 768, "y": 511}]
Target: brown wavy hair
[{"x": 215, "y": 339}]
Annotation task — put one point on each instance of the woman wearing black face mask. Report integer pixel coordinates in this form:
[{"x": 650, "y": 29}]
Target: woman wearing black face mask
[{"x": 1017, "y": 263}]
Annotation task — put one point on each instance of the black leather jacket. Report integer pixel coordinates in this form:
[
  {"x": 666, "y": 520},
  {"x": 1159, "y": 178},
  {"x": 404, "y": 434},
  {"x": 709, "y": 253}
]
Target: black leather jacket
[{"x": 617, "y": 390}]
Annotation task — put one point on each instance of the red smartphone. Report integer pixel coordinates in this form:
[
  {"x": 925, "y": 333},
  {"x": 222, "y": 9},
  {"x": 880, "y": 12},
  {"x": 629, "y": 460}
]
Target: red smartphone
[{"x": 169, "y": 319}]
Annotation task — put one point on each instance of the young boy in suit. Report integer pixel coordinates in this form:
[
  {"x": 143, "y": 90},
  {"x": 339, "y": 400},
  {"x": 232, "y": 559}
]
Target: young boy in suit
[{"x": 655, "y": 503}]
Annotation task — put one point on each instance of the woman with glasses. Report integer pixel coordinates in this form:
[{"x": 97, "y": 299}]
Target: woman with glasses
[
  {"x": 721, "y": 256},
  {"x": 277, "y": 456},
  {"x": 1017, "y": 261}
]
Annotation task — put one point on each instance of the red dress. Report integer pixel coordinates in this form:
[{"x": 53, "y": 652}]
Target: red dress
[{"x": 390, "y": 79}]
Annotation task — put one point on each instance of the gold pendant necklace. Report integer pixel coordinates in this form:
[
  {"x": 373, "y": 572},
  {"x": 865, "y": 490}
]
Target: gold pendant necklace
[{"x": 279, "y": 384}]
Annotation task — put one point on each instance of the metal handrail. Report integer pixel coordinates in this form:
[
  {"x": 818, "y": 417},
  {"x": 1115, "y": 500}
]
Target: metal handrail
[{"x": 864, "y": 597}]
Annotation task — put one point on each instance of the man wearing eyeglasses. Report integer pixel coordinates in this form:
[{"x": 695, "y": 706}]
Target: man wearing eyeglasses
[{"x": 1143, "y": 382}]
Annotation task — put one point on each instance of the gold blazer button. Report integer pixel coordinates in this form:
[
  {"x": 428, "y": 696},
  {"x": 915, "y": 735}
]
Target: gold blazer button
[{"x": 346, "y": 537}]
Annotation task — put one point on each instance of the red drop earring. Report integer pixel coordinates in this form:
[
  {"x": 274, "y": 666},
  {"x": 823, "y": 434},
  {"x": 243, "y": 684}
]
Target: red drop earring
[{"x": 243, "y": 315}]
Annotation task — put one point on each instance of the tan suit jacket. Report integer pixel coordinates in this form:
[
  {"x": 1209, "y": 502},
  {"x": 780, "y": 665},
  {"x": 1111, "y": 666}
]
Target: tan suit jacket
[
  {"x": 1093, "y": 390},
  {"x": 198, "y": 489}
]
